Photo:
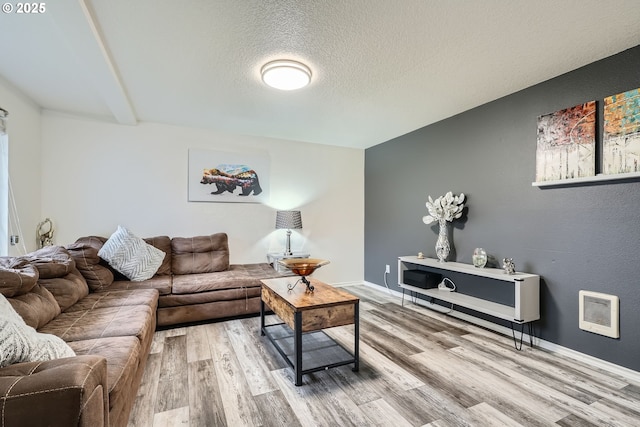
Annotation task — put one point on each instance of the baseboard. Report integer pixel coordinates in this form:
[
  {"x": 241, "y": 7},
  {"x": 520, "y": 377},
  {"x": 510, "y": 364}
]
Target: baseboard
[
  {"x": 593, "y": 361},
  {"x": 341, "y": 284},
  {"x": 552, "y": 347}
]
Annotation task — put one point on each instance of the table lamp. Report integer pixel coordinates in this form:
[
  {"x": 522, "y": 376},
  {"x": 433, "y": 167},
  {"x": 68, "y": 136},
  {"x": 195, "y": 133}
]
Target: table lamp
[{"x": 288, "y": 220}]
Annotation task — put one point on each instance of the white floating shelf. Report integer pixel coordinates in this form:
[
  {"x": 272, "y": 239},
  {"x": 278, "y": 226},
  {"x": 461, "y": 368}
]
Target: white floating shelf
[
  {"x": 492, "y": 273},
  {"x": 587, "y": 179}
]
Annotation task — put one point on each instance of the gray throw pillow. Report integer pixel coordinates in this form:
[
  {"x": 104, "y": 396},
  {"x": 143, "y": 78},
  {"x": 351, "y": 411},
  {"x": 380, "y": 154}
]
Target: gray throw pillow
[
  {"x": 131, "y": 255},
  {"x": 19, "y": 342}
]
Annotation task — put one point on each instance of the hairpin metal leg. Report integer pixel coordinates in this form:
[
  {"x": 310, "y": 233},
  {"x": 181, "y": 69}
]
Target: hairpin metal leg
[{"x": 515, "y": 341}]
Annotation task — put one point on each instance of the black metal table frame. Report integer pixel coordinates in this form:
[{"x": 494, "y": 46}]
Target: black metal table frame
[{"x": 297, "y": 340}]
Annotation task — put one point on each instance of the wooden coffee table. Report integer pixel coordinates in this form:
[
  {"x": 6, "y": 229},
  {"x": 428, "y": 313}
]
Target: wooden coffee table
[{"x": 299, "y": 338}]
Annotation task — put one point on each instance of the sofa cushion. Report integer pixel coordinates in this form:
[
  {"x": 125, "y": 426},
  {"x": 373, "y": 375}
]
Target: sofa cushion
[
  {"x": 66, "y": 290},
  {"x": 17, "y": 276},
  {"x": 188, "y": 300},
  {"x": 161, "y": 283},
  {"x": 51, "y": 261},
  {"x": 117, "y": 298},
  {"x": 37, "y": 307},
  {"x": 123, "y": 356},
  {"x": 131, "y": 256},
  {"x": 85, "y": 253},
  {"x": 164, "y": 244},
  {"x": 202, "y": 254},
  {"x": 238, "y": 276},
  {"x": 137, "y": 321},
  {"x": 208, "y": 311},
  {"x": 56, "y": 393},
  {"x": 20, "y": 342}
]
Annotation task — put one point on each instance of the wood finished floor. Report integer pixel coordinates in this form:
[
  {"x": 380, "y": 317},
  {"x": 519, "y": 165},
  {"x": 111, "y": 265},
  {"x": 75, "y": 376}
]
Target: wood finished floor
[{"x": 418, "y": 368}]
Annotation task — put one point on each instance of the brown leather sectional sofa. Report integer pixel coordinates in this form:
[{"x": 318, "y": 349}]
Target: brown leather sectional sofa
[
  {"x": 109, "y": 323},
  {"x": 195, "y": 281}
]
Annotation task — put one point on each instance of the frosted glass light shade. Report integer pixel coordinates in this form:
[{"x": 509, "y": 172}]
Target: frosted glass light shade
[
  {"x": 286, "y": 74},
  {"x": 288, "y": 219}
]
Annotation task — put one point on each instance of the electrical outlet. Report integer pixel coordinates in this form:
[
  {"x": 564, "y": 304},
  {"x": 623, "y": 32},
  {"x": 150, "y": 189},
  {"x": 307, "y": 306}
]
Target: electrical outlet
[
  {"x": 14, "y": 240},
  {"x": 387, "y": 269}
]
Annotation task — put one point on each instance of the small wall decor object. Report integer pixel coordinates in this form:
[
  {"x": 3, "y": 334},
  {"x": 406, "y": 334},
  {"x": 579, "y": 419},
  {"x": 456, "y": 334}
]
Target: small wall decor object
[
  {"x": 479, "y": 257},
  {"x": 444, "y": 209},
  {"x": 509, "y": 266},
  {"x": 599, "y": 313},
  {"x": 566, "y": 143},
  {"x": 621, "y": 136},
  {"x": 44, "y": 231},
  {"x": 218, "y": 176}
]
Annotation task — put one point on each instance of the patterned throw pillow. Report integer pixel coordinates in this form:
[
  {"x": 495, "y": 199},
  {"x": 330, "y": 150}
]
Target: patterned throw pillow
[
  {"x": 131, "y": 255},
  {"x": 21, "y": 343}
]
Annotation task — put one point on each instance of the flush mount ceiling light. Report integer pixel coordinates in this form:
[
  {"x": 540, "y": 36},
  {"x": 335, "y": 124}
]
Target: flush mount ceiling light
[{"x": 286, "y": 74}]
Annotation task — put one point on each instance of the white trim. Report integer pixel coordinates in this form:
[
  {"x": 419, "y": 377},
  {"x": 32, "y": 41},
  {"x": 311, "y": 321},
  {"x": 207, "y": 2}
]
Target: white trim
[
  {"x": 593, "y": 361},
  {"x": 555, "y": 348},
  {"x": 341, "y": 284}
]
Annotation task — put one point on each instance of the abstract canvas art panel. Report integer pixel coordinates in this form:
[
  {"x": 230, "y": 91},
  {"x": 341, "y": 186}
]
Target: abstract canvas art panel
[
  {"x": 621, "y": 136},
  {"x": 219, "y": 176},
  {"x": 566, "y": 143}
]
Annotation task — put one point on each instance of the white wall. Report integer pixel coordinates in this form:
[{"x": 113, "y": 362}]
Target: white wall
[
  {"x": 23, "y": 128},
  {"x": 97, "y": 175}
]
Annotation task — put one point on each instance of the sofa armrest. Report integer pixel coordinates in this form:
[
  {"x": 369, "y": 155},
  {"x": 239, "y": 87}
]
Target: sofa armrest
[{"x": 64, "y": 392}]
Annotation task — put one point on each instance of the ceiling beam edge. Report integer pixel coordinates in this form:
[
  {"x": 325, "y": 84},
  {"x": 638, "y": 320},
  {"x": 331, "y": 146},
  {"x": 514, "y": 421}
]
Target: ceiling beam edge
[{"x": 78, "y": 26}]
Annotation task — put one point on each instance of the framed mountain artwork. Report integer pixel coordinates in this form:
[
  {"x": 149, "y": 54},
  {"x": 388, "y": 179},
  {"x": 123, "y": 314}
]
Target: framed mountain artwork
[{"x": 219, "y": 176}]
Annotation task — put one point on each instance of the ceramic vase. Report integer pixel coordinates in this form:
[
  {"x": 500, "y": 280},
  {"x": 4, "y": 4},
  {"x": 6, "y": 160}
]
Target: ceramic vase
[{"x": 442, "y": 244}]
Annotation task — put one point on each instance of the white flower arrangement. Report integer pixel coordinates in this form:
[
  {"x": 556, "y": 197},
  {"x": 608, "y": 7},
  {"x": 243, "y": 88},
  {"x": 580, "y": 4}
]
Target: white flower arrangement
[{"x": 447, "y": 207}]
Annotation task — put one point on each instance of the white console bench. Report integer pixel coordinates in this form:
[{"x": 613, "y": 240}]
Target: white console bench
[{"x": 524, "y": 309}]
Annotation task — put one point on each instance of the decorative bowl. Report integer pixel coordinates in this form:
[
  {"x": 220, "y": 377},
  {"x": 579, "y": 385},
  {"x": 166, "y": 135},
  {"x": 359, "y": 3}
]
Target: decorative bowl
[{"x": 303, "y": 266}]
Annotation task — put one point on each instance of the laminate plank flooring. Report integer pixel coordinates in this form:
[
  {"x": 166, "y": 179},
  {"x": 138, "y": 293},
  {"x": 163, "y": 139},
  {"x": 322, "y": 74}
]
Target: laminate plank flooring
[{"x": 417, "y": 368}]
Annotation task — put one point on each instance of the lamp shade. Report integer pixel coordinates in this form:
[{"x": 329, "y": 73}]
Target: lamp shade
[{"x": 288, "y": 219}]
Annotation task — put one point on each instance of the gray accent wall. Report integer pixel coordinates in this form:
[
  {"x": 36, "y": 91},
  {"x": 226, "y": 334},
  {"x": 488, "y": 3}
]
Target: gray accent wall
[{"x": 575, "y": 237}]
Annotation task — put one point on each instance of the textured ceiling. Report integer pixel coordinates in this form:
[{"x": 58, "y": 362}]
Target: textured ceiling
[{"x": 381, "y": 68}]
